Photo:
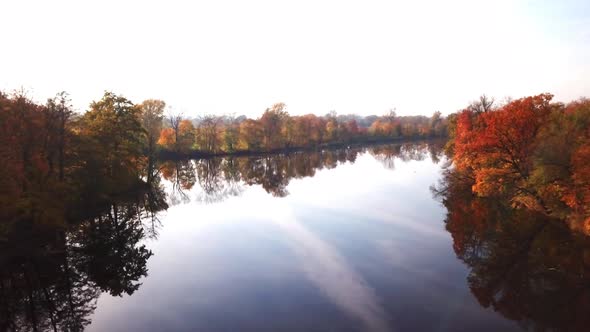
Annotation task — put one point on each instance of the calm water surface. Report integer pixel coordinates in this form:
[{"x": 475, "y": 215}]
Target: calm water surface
[
  {"x": 344, "y": 240},
  {"x": 352, "y": 245}
]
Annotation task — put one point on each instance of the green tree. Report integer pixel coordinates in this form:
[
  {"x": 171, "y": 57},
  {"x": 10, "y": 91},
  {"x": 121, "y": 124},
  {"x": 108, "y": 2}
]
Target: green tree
[{"x": 112, "y": 139}]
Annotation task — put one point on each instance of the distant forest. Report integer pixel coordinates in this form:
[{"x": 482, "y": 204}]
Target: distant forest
[{"x": 276, "y": 130}]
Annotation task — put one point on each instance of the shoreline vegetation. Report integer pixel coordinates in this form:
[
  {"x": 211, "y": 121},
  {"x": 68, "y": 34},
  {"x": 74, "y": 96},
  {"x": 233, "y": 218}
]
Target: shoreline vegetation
[
  {"x": 58, "y": 164},
  {"x": 218, "y": 178},
  {"x": 80, "y": 192},
  {"x": 530, "y": 153},
  {"x": 166, "y": 155},
  {"x": 275, "y": 131}
]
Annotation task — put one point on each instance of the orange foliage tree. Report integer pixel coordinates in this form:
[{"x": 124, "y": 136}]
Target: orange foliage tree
[
  {"x": 531, "y": 151},
  {"x": 497, "y": 146},
  {"x": 167, "y": 138}
]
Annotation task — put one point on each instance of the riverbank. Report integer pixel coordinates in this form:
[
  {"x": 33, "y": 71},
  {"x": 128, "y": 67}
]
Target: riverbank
[{"x": 197, "y": 154}]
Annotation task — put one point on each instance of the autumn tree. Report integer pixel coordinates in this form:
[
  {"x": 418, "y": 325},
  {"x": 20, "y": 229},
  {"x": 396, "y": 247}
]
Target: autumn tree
[
  {"x": 288, "y": 132},
  {"x": 390, "y": 116},
  {"x": 112, "y": 141},
  {"x": 483, "y": 105},
  {"x": 332, "y": 126},
  {"x": 561, "y": 171},
  {"x": 152, "y": 115},
  {"x": 174, "y": 120},
  {"x": 209, "y": 133},
  {"x": 497, "y": 147},
  {"x": 186, "y": 136},
  {"x": 167, "y": 139},
  {"x": 437, "y": 125},
  {"x": 231, "y": 133},
  {"x": 251, "y": 135},
  {"x": 308, "y": 130},
  {"x": 30, "y": 144},
  {"x": 58, "y": 114},
  {"x": 352, "y": 127},
  {"x": 272, "y": 123}
]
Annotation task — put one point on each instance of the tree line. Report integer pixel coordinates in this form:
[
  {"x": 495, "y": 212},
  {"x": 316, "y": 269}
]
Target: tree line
[
  {"x": 530, "y": 152},
  {"x": 54, "y": 158},
  {"x": 276, "y": 130},
  {"x": 59, "y": 165}
]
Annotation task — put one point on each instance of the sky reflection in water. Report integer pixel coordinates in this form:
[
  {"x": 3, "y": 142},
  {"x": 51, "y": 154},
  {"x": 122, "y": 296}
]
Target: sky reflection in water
[{"x": 358, "y": 246}]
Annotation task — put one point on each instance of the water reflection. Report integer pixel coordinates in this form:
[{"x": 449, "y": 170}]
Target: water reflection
[
  {"x": 181, "y": 175},
  {"x": 220, "y": 178},
  {"x": 51, "y": 278},
  {"x": 332, "y": 274},
  {"x": 523, "y": 265}
]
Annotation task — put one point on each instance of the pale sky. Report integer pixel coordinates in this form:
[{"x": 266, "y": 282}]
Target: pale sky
[{"x": 240, "y": 57}]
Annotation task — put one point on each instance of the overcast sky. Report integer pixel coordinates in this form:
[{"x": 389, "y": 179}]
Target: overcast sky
[{"x": 350, "y": 56}]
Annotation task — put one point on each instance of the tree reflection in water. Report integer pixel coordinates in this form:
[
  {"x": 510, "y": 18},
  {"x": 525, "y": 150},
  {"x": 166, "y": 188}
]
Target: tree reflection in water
[
  {"x": 181, "y": 174},
  {"x": 525, "y": 266},
  {"x": 220, "y": 178},
  {"x": 50, "y": 279},
  {"x": 51, "y": 276}
]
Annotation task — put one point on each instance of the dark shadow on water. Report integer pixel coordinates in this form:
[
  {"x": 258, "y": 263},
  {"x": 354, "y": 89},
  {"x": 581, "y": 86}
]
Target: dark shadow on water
[
  {"x": 525, "y": 266},
  {"x": 50, "y": 278}
]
